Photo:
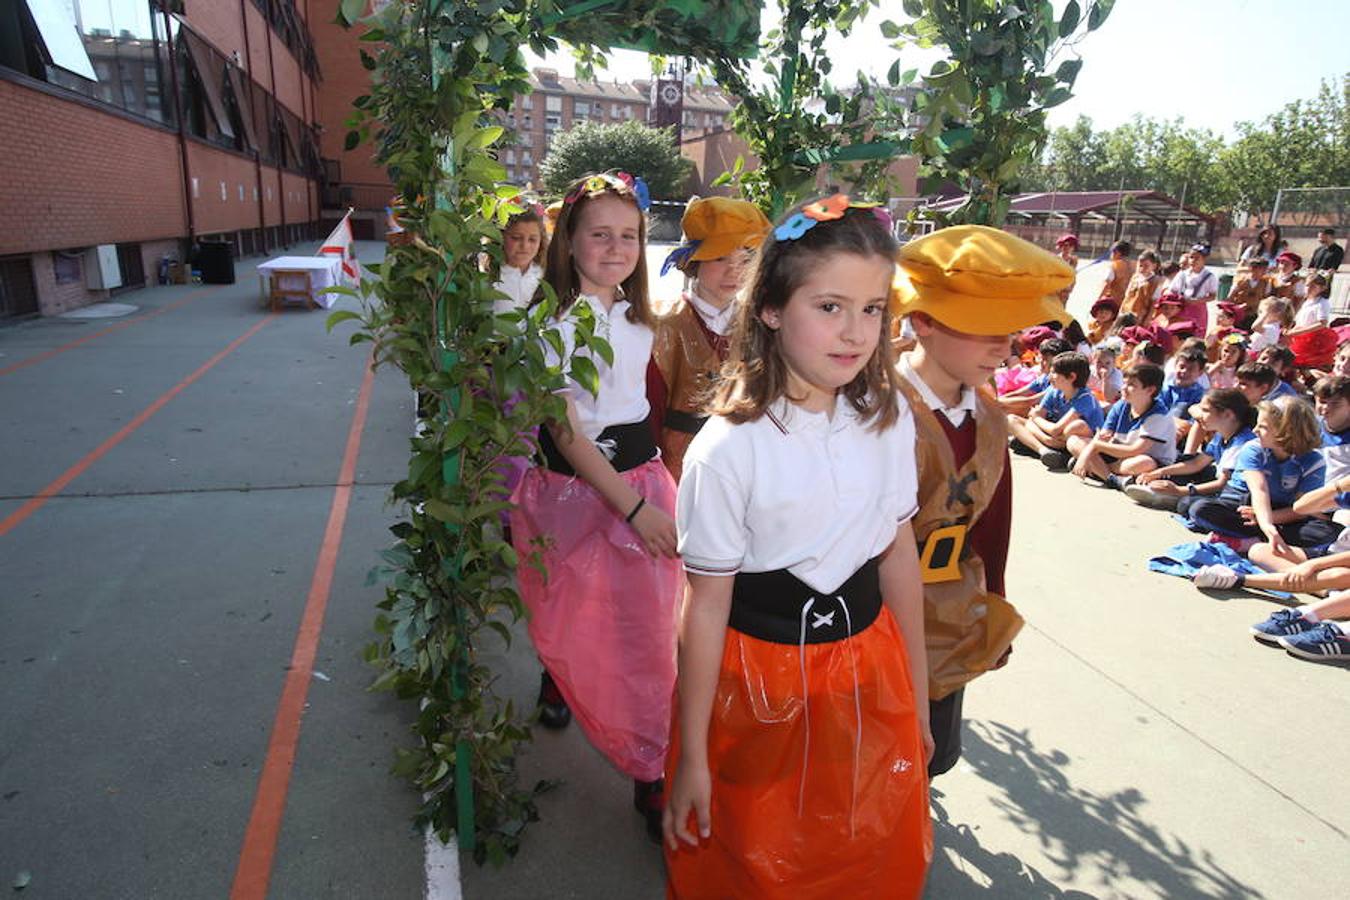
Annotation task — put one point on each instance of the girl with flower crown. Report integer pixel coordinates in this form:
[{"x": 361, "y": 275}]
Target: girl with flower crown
[
  {"x": 599, "y": 510},
  {"x": 797, "y": 769}
]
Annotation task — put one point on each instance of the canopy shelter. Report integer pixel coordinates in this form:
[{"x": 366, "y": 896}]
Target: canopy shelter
[{"x": 1145, "y": 218}]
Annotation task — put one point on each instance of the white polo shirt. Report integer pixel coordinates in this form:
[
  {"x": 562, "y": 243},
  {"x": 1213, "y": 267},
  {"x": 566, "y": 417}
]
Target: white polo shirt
[
  {"x": 965, "y": 404},
  {"x": 816, "y": 495},
  {"x": 518, "y": 287},
  {"x": 718, "y": 320},
  {"x": 1313, "y": 312},
  {"x": 623, "y": 386}
]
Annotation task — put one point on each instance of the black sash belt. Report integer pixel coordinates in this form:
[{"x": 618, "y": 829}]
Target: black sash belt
[
  {"x": 633, "y": 446},
  {"x": 688, "y": 423},
  {"x": 771, "y": 606}
]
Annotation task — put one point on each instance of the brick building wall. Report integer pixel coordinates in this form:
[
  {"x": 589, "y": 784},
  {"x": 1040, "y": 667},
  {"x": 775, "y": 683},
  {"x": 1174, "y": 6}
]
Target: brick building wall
[{"x": 76, "y": 176}]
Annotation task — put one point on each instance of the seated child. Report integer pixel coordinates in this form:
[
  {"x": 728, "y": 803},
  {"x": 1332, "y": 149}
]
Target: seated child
[
  {"x": 1227, "y": 416},
  {"x": 1014, "y": 373},
  {"x": 1107, "y": 378},
  {"x": 1270, "y": 473},
  {"x": 1281, "y": 359},
  {"x": 1103, "y": 314},
  {"x": 1273, "y": 318},
  {"x": 1137, "y": 436},
  {"x": 1067, "y": 409},
  {"x": 1248, "y": 292},
  {"x": 1232, "y": 353},
  {"x": 1184, "y": 389},
  {"x": 1259, "y": 381},
  {"x": 1322, "y": 567},
  {"x": 1331, "y": 400},
  {"x": 1168, "y": 311},
  {"x": 1020, "y": 401}
]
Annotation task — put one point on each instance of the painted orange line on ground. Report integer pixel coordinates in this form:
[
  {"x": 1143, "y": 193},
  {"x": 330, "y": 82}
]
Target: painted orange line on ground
[
  {"x": 264, "y": 824},
  {"x": 41, "y": 357},
  {"x": 40, "y": 499}
]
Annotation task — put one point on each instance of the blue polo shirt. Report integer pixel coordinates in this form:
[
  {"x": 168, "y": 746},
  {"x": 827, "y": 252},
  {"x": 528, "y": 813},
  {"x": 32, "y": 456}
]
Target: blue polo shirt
[
  {"x": 1287, "y": 479},
  {"x": 1178, "y": 398},
  {"x": 1282, "y": 388},
  {"x": 1225, "y": 452},
  {"x": 1041, "y": 384},
  {"x": 1336, "y": 452},
  {"x": 1054, "y": 406},
  {"x": 1119, "y": 419}
]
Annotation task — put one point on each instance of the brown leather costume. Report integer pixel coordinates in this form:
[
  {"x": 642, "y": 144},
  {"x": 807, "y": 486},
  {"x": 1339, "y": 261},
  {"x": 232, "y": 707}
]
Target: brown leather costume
[
  {"x": 688, "y": 356},
  {"x": 1139, "y": 298},
  {"x": 967, "y": 628},
  {"x": 1248, "y": 295}
]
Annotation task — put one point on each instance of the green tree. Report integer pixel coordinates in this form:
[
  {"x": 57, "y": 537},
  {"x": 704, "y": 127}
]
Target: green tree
[
  {"x": 1305, "y": 144},
  {"x": 627, "y": 146},
  {"x": 985, "y": 105}
]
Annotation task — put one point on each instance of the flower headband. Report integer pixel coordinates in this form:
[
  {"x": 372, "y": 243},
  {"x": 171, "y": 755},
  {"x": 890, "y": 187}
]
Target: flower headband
[
  {"x": 620, "y": 183},
  {"x": 824, "y": 210},
  {"x": 528, "y": 205}
]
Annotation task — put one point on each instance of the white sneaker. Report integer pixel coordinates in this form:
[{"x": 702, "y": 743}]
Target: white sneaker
[
  {"x": 1219, "y": 577},
  {"x": 1146, "y": 496}
]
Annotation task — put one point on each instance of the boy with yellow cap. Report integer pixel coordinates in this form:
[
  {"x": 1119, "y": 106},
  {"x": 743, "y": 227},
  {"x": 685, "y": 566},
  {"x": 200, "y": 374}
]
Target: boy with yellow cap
[
  {"x": 691, "y": 344},
  {"x": 966, "y": 290}
]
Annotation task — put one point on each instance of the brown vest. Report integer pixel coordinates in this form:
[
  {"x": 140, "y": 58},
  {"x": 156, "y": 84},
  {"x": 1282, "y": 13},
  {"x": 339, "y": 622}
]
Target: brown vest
[
  {"x": 689, "y": 357},
  {"x": 1247, "y": 295},
  {"x": 967, "y": 629},
  {"x": 1139, "y": 298}
]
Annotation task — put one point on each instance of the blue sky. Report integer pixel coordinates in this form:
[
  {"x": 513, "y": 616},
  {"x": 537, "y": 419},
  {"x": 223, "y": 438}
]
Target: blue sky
[{"x": 1211, "y": 62}]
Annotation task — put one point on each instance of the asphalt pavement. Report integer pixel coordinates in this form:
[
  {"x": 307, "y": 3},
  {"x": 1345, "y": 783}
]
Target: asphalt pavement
[{"x": 151, "y": 602}]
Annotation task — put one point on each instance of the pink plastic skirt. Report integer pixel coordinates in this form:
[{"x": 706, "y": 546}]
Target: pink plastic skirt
[{"x": 603, "y": 623}]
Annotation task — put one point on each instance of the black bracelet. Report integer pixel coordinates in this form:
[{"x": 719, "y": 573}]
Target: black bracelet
[{"x": 642, "y": 501}]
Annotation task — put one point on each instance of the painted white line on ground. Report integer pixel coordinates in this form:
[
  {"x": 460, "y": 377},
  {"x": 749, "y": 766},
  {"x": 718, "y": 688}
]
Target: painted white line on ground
[{"x": 442, "y": 868}]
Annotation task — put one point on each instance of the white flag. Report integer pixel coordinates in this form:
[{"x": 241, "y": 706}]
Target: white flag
[{"x": 340, "y": 244}]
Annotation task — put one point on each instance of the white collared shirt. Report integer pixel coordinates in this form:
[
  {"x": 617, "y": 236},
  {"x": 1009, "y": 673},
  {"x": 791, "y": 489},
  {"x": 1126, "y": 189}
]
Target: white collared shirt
[
  {"x": 965, "y": 405},
  {"x": 518, "y": 287},
  {"x": 814, "y": 494},
  {"x": 717, "y": 320},
  {"x": 623, "y": 386}
]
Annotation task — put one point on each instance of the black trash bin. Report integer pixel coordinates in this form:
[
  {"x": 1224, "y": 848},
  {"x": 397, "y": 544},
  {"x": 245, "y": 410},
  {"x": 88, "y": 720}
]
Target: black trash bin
[{"x": 215, "y": 259}]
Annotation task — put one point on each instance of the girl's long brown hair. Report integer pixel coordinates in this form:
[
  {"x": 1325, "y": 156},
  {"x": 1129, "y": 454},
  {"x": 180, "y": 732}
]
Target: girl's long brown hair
[
  {"x": 561, "y": 272},
  {"x": 755, "y": 375}
]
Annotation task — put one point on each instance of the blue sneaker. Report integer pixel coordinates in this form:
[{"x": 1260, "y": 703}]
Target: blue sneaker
[
  {"x": 1326, "y": 642},
  {"x": 1282, "y": 623}
]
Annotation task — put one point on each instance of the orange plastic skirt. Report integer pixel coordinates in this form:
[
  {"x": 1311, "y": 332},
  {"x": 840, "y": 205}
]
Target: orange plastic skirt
[{"x": 826, "y": 797}]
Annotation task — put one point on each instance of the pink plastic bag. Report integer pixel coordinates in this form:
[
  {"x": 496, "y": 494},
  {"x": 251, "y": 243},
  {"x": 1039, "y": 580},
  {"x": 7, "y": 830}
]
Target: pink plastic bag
[{"x": 604, "y": 622}]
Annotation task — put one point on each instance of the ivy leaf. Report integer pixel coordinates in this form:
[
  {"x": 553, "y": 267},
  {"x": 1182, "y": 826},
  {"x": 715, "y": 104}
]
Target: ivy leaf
[
  {"x": 585, "y": 374},
  {"x": 890, "y": 30},
  {"x": 1069, "y": 21},
  {"x": 350, "y": 11},
  {"x": 1056, "y": 97},
  {"x": 913, "y": 8},
  {"x": 342, "y": 315},
  {"x": 1068, "y": 70},
  {"x": 1098, "y": 13},
  {"x": 352, "y": 140}
]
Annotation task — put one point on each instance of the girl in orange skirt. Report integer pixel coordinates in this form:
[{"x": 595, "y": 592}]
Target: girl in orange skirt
[{"x": 798, "y": 762}]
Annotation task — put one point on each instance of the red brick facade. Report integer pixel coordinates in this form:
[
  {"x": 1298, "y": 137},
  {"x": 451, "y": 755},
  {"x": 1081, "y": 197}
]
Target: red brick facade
[{"x": 79, "y": 173}]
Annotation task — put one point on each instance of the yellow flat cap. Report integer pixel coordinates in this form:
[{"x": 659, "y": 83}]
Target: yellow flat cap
[
  {"x": 722, "y": 226},
  {"x": 981, "y": 280}
]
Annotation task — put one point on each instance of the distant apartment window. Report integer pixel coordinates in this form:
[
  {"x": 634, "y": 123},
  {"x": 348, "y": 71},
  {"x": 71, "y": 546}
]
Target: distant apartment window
[
  {"x": 527, "y": 158},
  {"x": 526, "y": 102},
  {"x": 510, "y": 157},
  {"x": 553, "y": 103},
  {"x": 616, "y": 110},
  {"x": 552, "y": 121},
  {"x": 581, "y": 108},
  {"x": 529, "y": 124}
]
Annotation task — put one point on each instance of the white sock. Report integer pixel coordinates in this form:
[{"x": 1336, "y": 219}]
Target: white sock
[{"x": 1308, "y": 613}]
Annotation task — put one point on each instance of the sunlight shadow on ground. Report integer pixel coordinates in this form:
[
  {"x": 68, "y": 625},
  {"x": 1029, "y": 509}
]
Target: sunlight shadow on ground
[{"x": 1105, "y": 843}]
